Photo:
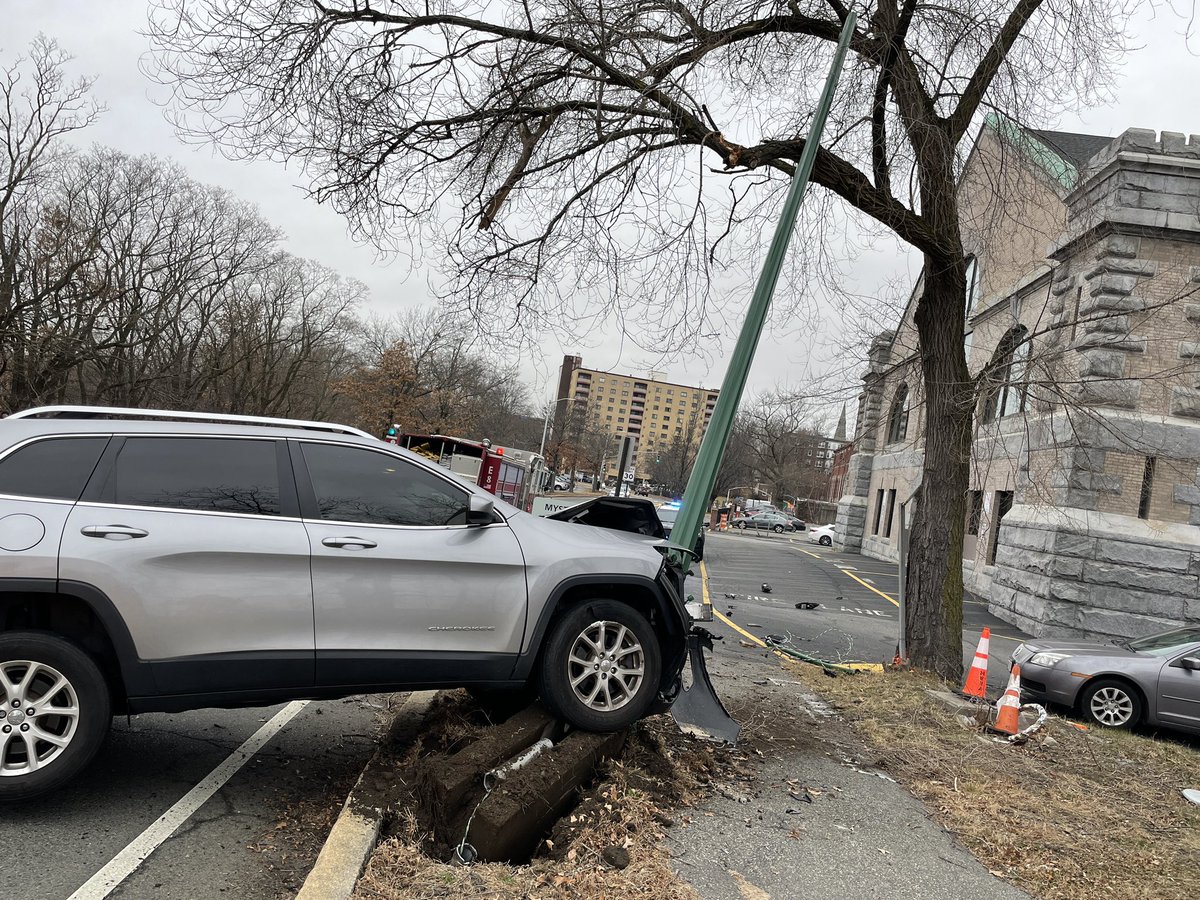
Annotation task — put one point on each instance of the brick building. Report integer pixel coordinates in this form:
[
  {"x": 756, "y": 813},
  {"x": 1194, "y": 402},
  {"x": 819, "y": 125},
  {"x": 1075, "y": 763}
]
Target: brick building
[{"x": 1084, "y": 504}]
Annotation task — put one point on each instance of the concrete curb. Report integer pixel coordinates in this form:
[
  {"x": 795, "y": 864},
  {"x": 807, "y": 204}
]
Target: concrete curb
[{"x": 357, "y": 828}]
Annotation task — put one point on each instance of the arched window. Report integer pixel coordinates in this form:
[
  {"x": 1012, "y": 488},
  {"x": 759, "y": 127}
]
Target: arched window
[
  {"x": 1004, "y": 389},
  {"x": 898, "y": 416}
]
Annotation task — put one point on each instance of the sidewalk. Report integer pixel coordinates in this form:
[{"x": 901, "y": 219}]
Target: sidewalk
[{"x": 819, "y": 819}]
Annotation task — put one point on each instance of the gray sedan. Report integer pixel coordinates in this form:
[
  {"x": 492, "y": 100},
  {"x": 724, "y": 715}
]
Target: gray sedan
[
  {"x": 1154, "y": 679},
  {"x": 765, "y": 521}
]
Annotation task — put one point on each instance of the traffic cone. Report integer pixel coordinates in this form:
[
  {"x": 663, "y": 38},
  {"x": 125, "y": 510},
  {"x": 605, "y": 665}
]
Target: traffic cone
[
  {"x": 976, "y": 685},
  {"x": 1008, "y": 707}
]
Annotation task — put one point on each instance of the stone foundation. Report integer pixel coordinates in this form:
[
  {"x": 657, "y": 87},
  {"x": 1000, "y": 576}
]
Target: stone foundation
[{"x": 1077, "y": 573}]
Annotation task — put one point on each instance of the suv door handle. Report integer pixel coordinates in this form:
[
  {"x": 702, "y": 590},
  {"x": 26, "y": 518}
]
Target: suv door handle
[
  {"x": 113, "y": 532},
  {"x": 349, "y": 543}
]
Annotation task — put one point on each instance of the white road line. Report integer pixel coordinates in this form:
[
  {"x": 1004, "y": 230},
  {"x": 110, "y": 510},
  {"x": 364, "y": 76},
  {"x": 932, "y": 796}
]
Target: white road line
[{"x": 127, "y": 861}]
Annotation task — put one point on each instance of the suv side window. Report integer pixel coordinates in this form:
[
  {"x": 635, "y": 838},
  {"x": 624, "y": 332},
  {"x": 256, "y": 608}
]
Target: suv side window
[
  {"x": 353, "y": 485},
  {"x": 201, "y": 474},
  {"x": 53, "y": 469}
]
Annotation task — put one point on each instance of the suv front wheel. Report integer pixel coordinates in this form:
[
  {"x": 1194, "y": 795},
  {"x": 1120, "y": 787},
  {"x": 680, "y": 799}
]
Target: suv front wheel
[
  {"x": 54, "y": 712},
  {"x": 601, "y": 666}
]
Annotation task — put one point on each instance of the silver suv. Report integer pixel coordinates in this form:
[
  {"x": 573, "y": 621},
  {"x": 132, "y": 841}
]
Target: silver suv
[{"x": 162, "y": 561}]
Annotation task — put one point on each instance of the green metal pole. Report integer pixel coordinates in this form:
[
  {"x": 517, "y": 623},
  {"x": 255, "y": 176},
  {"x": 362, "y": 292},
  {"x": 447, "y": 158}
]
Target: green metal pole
[{"x": 712, "y": 448}]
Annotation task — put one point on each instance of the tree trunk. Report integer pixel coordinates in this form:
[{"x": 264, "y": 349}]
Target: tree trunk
[{"x": 934, "y": 610}]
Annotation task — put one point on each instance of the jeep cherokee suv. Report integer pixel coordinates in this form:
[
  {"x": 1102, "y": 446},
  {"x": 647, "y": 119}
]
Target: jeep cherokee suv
[{"x": 161, "y": 561}]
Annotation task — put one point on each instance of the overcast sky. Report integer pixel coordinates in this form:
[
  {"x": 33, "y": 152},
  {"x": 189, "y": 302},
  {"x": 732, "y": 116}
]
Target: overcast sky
[{"x": 1158, "y": 88}]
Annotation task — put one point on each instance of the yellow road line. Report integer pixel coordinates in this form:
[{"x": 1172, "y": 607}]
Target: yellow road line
[
  {"x": 870, "y": 587},
  {"x": 809, "y": 552},
  {"x": 704, "y": 597},
  {"x": 742, "y": 631}
]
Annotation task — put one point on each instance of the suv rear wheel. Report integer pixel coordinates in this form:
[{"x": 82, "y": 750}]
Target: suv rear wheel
[
  {"x": 600, "y": 670},
  {"x": 54, "y": 712}
]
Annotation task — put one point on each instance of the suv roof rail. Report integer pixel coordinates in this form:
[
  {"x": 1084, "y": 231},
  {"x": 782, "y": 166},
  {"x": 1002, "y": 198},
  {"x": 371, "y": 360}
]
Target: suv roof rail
[{"x": 116, "y": 412}]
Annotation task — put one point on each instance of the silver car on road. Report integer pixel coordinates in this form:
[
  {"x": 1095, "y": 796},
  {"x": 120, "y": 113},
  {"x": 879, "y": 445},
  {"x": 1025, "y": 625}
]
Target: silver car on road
[{"x": 1155, "y": 679}]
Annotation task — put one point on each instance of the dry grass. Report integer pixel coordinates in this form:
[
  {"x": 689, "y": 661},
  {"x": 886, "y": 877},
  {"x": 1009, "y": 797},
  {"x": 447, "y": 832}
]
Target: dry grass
[
  {"x": 1071, "y": 814},
  {"x": 626, "y": 810}
]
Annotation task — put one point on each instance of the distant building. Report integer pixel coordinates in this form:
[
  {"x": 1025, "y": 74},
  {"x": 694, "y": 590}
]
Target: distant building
[{"x": 658, "y": 413}]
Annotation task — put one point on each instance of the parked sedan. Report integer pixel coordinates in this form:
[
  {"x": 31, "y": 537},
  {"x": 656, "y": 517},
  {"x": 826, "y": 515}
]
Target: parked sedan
[
  {"x": 822, "y": 535},
  {"x": 765, "y": 521},
  {"x": 1154, "y": 679}
]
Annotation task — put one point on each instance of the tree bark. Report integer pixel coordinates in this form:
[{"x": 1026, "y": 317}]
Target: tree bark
[{"x": 934, "y": 611}]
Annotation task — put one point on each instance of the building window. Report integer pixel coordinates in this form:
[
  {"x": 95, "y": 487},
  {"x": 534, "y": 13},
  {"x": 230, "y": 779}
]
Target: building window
[
  {"x": 974, "y": 510},
  {"x": 878, "y": 510},
  {"x": 898, "y": 417},
  {"x": 1004, "y": 502},
  {"x": 1004, "y": 386},
  {"x": 1147, "y": 487},
  {"x": 891, "y": 509}
]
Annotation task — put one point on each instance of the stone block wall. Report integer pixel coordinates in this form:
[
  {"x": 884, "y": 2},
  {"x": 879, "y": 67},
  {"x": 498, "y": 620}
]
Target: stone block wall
[{"x": 1094, "y": 575}]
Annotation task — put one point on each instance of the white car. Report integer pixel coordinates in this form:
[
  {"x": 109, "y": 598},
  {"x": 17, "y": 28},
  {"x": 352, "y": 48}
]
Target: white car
[{"x": 822, "y": 535}]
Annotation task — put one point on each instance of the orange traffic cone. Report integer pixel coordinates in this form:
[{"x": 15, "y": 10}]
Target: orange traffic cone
[
  {"x": 976, "y": 685},
  {"x": 1008, "y": 707}
]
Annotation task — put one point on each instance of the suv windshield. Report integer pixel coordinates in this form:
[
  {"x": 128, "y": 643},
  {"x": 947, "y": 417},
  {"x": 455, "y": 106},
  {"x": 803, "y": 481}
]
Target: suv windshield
[{"x": 1166, "y": 643}]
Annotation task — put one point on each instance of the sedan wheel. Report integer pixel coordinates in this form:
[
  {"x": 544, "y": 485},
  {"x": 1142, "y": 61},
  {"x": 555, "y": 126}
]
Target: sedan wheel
[
  {"x": 778, "y": 529},
  {"x": 826, "y": 541},
  {"x": 1112, "y": 704}
]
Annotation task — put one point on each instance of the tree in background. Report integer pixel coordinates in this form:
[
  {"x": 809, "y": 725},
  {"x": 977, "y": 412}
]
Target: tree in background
[{"x": 420, "y": 372}]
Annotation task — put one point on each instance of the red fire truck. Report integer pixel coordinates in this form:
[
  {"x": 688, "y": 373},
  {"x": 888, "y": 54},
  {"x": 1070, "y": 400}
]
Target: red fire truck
[{"x": 511, "y": 474}]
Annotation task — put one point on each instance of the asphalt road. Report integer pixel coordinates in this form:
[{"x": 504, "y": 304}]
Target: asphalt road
[
  {"x": 857, "y": 618},
  {"x": 257, "y": 836}
]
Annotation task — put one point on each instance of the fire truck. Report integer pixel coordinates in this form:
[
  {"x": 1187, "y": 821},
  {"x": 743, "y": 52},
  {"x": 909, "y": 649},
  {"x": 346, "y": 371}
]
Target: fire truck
[{"x": 509, "y": 473}]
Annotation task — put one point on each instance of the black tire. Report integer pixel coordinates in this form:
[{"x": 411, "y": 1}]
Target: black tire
[
  {"x": 1124, "y": 704},
  {"x": 700, "y": 547},
  {"x": 826, "y": 541},
  {"x": 778, "y": 529},
  {"x": 741, "y": 525},
  {"x": 94, "y": 705},
  {"x": 554, "y": 678}
]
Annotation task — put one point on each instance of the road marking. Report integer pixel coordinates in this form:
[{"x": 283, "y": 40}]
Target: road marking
[
  {"x": 742, "y": 631},
  {"x": 846, "y": 568},
  {"x": 869, "y": 580},
  {"x": 127, "y": 861},
  {"x": 809, "y": 552},
  {"x": 871, "y": 587},
  {"x": 704, "y": 597}
]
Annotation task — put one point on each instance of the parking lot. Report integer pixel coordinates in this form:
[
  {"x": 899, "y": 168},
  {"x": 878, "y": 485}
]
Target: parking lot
[{"x": 256, "y": 837}]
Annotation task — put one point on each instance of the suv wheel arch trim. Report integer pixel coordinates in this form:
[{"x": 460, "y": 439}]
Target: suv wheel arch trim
[
  {"x": 525, "y": 662},
  {"x": 136, "y": 674}
]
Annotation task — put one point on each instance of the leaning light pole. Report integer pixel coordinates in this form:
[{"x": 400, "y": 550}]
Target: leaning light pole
[{"x": 712, "y": 448}]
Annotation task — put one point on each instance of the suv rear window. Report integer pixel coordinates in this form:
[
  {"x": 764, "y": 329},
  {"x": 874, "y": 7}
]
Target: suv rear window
[
  {"x": 201, "y": 474},
  {"x": 53, "y": 469},
  {"x": 353, "y": 485}
]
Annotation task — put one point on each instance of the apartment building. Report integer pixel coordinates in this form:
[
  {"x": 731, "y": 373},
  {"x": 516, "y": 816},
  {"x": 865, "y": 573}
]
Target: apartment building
[{"x": 659, "y": 414}]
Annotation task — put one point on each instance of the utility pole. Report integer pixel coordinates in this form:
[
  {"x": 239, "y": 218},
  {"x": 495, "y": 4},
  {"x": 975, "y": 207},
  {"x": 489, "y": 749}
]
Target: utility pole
[{"x": 712, "y": 448}]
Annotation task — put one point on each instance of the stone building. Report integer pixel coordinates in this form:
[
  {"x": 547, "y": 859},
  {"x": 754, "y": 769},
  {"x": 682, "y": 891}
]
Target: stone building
[{"x": 1083, "y": 314}]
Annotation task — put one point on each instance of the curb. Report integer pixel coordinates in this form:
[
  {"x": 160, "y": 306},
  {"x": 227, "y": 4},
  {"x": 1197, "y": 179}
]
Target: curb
[{"x": 356, "y": 831}]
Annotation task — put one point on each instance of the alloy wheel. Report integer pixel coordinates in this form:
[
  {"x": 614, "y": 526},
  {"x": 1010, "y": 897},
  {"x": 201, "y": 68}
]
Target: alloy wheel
[
  {"x": 606, "y": 666},
  {"x": 1111, "y": 706},
  {"x": 39, "y": 715}
]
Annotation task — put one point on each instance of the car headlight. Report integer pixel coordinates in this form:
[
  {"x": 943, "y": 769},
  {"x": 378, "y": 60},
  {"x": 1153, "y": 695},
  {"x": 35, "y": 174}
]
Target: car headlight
[{"x": 1048, "y": 659}]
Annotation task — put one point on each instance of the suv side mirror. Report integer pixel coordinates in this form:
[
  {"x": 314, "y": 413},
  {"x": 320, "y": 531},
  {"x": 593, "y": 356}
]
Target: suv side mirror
[
  {"x": 480, "y": 510},
  {"x": 1190, "y": 662}
]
